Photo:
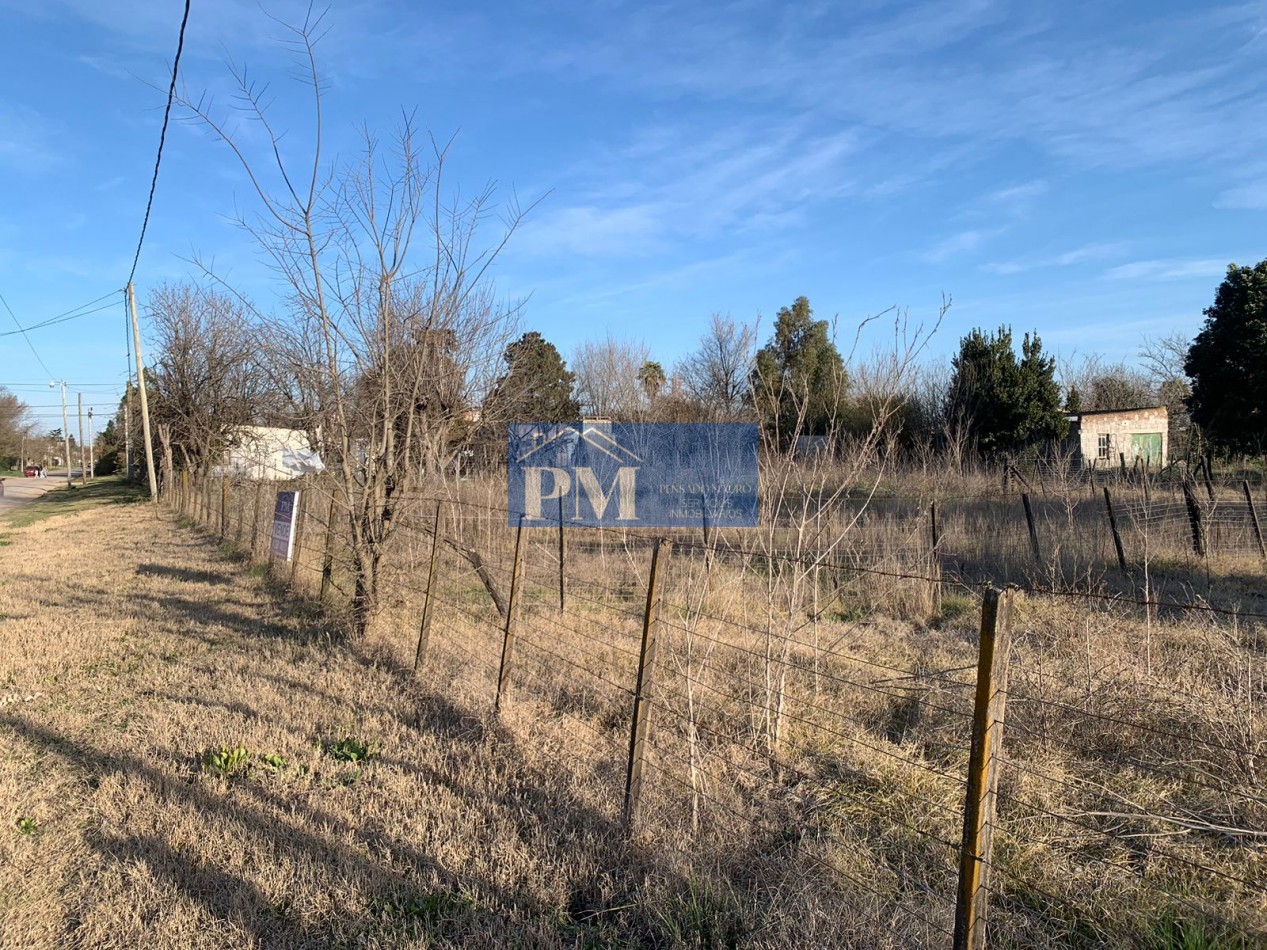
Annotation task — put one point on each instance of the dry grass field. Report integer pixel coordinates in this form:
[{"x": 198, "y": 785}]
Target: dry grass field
[{"x": 192, "y": 755}]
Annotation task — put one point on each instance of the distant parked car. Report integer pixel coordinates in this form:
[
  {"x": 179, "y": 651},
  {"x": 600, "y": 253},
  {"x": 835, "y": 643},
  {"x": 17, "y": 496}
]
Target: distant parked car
[{"x": 33, "y": 471}]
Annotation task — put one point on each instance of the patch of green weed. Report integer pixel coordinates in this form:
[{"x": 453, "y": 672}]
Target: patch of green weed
[
  {"x": 224, "y": 761},
  {"x": 351, "y": 749}
]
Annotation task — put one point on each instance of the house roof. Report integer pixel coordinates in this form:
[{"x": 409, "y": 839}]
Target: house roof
[{"x": 1074, "y": 416}]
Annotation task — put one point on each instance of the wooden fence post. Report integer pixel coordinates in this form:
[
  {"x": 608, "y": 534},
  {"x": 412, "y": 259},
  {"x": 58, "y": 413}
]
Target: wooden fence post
[
  {"x": 989, "y": 708},
  {"x": 1253, "y": 519},
  {"x": 1121, "y": 457},
  {"x": 935, "y": 557},
  {"x": 562, "y": 559},
  {"x": 255, "y": 519},
  {"x": 512, "y": 607},
  {"x": 224, "y": 506},
  {"x": 184, "y": 492},
  {"x": 1117, "y": 537},
  {"x": 640, "y": 727},
  {"x": 297, "y": 550},
  {"x": 424, "y": 628},
  {"x": 1194, "y": 518},
  {"x": 327, "y": 557},
  {"x": 1033, "y": 531}
]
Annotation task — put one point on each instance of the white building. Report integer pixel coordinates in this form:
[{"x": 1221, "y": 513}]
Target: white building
[{"x": 268, "y": 453}]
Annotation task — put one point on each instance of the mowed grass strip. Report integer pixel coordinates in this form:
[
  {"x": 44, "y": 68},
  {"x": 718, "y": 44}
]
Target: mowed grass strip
[
  {"x": 174, "y": 769},
  {"x": 104, "y": 491}
]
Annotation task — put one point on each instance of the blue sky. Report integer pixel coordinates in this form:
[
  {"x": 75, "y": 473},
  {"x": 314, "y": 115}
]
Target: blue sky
[{"x": 1086, "y": 170}]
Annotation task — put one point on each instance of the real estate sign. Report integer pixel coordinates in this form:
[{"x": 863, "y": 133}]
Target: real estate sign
[
  {"x": 634, "y": 474},
  {"x": 284, "y": 524}
]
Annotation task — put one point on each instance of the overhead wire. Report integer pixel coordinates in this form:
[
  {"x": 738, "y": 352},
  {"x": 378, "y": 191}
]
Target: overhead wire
[
  {"x": 162, "y": 138},
  {"x": 31, "y": 345}
]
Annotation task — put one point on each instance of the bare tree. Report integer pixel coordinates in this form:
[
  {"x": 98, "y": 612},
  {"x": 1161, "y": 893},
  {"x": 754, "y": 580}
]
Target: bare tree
[
  {"x": 392, "y": 333},
  {"x": 207, "y": 378},
  {"x": 16, "y": 426},
  {"x": 1163, "y": 359},
  {"x": 1091, "y": 383},
  {"x": 717, "y": 373},
  {"x": 608, "y": 377}
]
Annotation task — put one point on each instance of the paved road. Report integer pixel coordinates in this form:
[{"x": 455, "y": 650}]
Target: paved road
[{"x": 18, "y": 491}]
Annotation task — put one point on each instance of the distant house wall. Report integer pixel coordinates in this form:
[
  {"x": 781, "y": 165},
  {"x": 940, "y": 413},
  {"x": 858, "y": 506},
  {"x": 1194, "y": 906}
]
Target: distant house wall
[
  {"x": 1101, "y": 438},
  {"x": 268, "y": 453}
]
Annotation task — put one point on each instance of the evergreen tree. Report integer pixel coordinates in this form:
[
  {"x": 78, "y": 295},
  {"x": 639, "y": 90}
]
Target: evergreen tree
[
  {"x": 1005, "y": 404},
  {"x": 799, "y": 381},
  {"x": 536, "y": 387},
  {"x": 1227, "y": 363}
]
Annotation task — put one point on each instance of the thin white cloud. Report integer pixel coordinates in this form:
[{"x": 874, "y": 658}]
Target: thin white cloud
[
  {"x": 1087, "y": 253},
  {"x": 1172, "y": 269},
  {"x": 1250, "y": 197},
  {"x": 1016, "y": 200},
  {"x": 960, "y": 243},
  {"x": 671, "y": 183},
  {"x": 28, "y": 140}
]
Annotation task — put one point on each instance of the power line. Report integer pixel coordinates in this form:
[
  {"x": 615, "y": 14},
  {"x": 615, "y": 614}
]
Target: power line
[
  {"x": 162, "y": 137},
  {"x": 73, "y": 314},
  {"x": 25, "y": 337}
]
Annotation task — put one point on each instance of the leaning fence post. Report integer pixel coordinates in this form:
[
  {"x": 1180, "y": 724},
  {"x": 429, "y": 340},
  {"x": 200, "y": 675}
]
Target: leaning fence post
[
  {"x": 1033, "y": 531},
  {"x": 1117, "y": 537},
  {"x": 1194, "y": 518},
  {"x": 424, "y": 628},
  {"x": 1253, "y": 519},
  {"x": 989, "y": 707},
  {"x": 640, "y": 728},
  {"x": 184, "y": 491},
  {"x": 512, "y": 606},
  {"x": 327, "y": 558}
]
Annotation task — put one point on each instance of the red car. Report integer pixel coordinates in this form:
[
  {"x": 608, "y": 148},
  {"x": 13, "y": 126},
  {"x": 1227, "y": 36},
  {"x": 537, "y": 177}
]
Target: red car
[{"x": 33, "y": 471}]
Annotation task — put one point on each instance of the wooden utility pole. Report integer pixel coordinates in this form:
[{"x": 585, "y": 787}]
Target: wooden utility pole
[
  {"x": 140, "y": 385},
  {"x": 65, "y": 432},
  {"x": 83, "y": 459},
  {"x": 127, "y": 426},
  {"x": 92, "y": 447}
]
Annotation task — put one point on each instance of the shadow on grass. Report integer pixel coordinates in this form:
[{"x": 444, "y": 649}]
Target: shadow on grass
[
  {"x": 183, "y": 574},
  {"x": 374, "y": 858}
]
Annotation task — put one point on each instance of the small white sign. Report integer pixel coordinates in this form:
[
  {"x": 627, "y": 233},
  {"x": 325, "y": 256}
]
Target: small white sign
[{"x": 284, "y": 524}]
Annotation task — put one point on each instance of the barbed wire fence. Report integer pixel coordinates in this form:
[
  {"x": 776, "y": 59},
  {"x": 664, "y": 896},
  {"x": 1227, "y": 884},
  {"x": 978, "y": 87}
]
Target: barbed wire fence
[{"x": 949, "y": 723}]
